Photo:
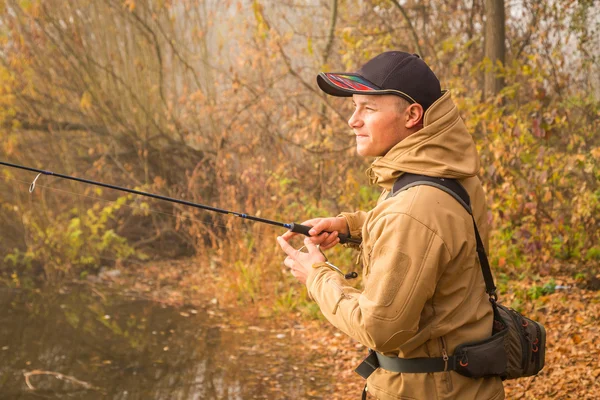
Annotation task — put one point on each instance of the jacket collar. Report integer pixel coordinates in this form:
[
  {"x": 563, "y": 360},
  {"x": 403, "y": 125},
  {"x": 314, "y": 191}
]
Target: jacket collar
[{"x": 442, "y": 148}]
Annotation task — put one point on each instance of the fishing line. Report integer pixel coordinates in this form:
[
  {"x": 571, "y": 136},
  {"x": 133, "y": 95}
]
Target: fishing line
[
  {"x": 244, "y": 228},
  {"x": 88, "y": 247}
]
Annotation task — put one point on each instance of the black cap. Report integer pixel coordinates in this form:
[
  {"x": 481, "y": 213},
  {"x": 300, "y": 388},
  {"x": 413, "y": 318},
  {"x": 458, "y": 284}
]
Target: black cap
[{"x": 393, "y": 72}]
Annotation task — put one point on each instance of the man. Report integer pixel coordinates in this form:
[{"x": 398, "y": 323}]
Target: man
[{"x": 424, "y": 292}]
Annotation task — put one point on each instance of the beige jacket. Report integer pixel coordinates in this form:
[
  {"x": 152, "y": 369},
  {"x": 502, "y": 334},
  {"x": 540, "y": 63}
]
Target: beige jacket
[{"x": 423, "y": 288}]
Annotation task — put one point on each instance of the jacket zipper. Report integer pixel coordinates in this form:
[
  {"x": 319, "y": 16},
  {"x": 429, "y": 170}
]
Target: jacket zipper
[
  {"x": 445, "y": 357},
  {"x": 364, "y": 258},
  {"x": 360, "y": 253}
]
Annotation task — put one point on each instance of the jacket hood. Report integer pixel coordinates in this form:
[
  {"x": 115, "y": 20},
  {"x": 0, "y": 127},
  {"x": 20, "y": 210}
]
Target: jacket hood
[{"x": 442, "y": 148}]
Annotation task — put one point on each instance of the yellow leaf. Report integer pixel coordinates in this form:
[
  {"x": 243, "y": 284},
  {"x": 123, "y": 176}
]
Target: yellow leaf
[
  {"x": 159, "y": 182},
  {"x": 130, "y": 4},
  {"x": 86, "y": 101}
]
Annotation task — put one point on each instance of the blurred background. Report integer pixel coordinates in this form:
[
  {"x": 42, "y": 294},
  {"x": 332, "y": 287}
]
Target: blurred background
[{"x": 216, "y": 102}]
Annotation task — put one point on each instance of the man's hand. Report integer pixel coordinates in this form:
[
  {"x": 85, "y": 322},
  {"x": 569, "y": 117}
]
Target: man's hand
[
  {"x": 299, "y": 262},
  {"x": 324, "y": 231}
]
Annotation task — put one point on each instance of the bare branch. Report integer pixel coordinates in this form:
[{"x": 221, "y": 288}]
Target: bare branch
[
  {"x": 330, "y": 35},
  {"x": 57, "y": 375},
  {"x": 411, "y": 27}
]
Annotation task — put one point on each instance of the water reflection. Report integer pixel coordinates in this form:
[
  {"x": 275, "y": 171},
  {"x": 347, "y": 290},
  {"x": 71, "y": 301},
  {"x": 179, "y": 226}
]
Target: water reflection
[{"x": 134, "y": 349}]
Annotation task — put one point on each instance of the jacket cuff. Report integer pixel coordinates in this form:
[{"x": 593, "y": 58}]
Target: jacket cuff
[
  {"x": 355, "y": 222},
  {"x": 312, "y": 275}
]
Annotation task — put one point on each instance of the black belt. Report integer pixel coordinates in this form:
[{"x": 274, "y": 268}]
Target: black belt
[{"x": 405, "y": 365}]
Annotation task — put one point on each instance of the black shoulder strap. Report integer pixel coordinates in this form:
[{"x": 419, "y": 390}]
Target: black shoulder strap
[{"x": 456, "y": 190}]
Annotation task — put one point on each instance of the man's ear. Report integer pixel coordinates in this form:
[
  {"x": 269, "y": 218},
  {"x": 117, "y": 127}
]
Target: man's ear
[{"x": 414, "y": 115}]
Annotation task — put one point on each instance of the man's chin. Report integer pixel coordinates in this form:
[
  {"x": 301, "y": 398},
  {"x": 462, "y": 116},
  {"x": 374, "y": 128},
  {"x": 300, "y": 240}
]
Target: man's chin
[{"x": 364, "y": 151}]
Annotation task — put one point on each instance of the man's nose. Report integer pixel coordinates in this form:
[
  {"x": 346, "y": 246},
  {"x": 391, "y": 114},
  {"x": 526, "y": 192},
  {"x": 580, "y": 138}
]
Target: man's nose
[{"x": 355, "y": 121}]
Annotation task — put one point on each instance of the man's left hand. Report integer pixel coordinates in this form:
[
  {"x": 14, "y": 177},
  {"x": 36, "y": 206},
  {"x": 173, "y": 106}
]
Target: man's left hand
[{"x": 300, "y": 263}]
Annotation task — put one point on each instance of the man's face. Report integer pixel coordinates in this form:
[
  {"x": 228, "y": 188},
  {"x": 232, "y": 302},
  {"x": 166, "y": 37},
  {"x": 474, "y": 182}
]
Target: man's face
[{"x": 378, "y": 122}]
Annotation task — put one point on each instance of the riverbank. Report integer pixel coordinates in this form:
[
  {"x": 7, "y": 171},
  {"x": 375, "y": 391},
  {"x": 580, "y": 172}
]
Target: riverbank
[{"x": 570, "y": 314}]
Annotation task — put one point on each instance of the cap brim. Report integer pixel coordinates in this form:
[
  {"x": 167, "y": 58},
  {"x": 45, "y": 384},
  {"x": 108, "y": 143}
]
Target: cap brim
[{"x": 345, "y": 84}]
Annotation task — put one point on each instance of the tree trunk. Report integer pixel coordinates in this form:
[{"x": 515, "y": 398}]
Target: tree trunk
[{"x": 494, "y": 45}]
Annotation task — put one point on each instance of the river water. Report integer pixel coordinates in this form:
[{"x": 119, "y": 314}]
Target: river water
[{"x": 77, "y": 342}]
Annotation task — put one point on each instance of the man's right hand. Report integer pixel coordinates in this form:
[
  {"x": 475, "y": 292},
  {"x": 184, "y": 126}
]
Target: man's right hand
[{"x": 324, "y": 231}]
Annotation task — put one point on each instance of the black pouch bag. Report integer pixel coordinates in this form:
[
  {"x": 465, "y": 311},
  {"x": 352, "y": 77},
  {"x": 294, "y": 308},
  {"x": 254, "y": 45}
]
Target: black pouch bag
[
  {"x": 516, "y": 348},
  {"x": 483, "y": 358}
]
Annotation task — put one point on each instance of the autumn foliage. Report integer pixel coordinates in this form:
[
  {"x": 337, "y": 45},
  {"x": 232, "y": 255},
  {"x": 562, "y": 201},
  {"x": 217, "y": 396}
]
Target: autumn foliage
[{"x": 216, "y": 102}]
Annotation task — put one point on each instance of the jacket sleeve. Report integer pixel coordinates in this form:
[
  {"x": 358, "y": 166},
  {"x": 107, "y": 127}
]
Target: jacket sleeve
[
  {"x": 402, "y": 268},
  {"x": 355, "y": 222}
]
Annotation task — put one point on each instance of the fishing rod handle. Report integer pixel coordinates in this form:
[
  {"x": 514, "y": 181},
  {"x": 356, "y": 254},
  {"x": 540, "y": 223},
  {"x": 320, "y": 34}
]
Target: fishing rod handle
[{"x": 303, "y": 229}]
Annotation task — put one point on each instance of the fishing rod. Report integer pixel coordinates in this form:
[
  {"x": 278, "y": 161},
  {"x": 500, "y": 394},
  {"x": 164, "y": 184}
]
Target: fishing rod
[{"x": 294, "y": 227}]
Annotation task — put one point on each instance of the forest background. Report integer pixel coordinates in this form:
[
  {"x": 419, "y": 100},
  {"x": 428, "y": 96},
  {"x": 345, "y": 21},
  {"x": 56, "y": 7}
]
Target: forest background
[{"x": 216, "y": 102}]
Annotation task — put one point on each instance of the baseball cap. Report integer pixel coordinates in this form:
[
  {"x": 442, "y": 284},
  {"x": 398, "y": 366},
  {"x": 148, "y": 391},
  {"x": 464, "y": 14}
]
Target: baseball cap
[{"x": 393, "y": 72}]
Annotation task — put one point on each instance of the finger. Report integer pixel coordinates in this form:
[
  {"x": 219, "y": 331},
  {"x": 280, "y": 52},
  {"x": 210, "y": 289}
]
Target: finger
[
  {"x": 327, "y": 241},
  {"x": 320, "y": 225},
  {"x": 310, "y": 246},
  {"x": 312, "y": 221},
  {"x": 329, "y": 246},
  {"x": 313, "y": 248},
  {"x": 285, "y": 246},
  {"x": 318, "y": 239},
  {"x": 288, "y": 235},
  {"x": 289, "y": 262},
  {"x": 331, "y": 239}
]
